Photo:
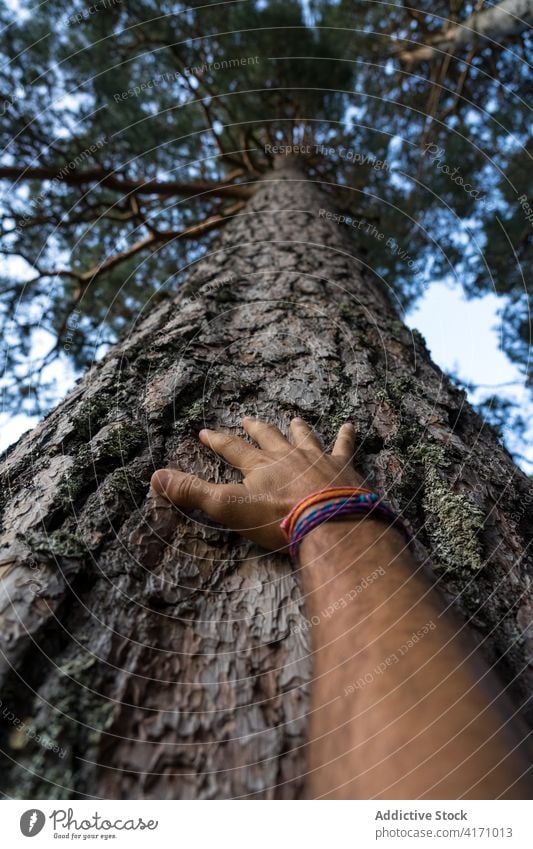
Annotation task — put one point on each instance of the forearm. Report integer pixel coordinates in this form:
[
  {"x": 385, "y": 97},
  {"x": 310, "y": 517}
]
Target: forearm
[
  {"x": 400, "y": 705},
  {"x": 399, "y": 708}
]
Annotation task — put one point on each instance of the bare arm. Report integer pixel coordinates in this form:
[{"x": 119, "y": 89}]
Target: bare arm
[{"x": 402, "y": 707}]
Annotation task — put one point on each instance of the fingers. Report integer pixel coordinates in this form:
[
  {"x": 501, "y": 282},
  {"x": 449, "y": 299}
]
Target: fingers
[
  {"x": 235, "y": 450},
  {"x": 304, "y": 437},
  {"x": 344, "y": 447},
  {"x": 191, "y": 492},
  {"x": 266, "y": 435}
]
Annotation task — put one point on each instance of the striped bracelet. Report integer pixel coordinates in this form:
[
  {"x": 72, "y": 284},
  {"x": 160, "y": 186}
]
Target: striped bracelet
[{"x": 334, "y": 503}]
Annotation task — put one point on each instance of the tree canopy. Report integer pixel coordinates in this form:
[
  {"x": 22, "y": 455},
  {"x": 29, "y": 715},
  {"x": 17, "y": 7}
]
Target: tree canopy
[{"x": 131, "y": 132}]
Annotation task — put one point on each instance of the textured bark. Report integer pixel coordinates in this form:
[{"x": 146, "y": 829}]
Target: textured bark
[
  {"x": 492, "y": 24},
  {"x": 164, "y": 655}
]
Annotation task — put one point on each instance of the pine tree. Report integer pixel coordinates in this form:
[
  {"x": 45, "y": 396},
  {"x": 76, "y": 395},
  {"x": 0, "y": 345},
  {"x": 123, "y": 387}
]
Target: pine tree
[
  {"x": 146, "y": 653},
  {"x": 131, "y": 134},
  {"x": 165, "y": 656}
]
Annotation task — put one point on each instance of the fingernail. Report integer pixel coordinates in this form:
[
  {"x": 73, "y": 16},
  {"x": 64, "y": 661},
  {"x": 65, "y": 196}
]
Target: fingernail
[
  {"x": 348, "y": 424},
  {"x": 160, "y": 480},
  {"x": 297, "y": 419},
  {"x": 203, "y": 432},
  {"x": 248, "y": 419}
]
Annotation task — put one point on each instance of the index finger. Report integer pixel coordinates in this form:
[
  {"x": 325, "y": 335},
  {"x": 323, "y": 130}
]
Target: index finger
[
  {"x": 235, "y": 450},
  {"x": 344, "y": 447},
  {"x": 267, "y": 436}
]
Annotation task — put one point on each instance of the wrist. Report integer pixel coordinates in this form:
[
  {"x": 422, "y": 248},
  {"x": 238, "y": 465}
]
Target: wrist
[
  {"x": 347, "y": 546},
  {"x": 336, "y": 504}
]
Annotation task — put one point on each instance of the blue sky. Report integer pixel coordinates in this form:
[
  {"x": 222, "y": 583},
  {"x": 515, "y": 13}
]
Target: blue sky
[{"x": 464, "y": 337}]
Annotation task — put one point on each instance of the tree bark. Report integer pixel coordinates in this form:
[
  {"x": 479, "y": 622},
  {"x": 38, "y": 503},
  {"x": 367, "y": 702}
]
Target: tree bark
[
  {"x": 491, "y": 24},
  {"x": 164, "y": 656}
]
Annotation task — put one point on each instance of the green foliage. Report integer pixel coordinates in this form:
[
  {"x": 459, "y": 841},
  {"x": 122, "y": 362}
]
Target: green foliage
[{"x": 434, "y": 156}]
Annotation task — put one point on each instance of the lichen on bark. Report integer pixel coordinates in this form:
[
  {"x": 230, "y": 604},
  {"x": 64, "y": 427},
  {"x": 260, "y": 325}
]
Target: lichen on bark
[
  {"x": 164, "y": 652},
  {"x": 453, "y": 521}
]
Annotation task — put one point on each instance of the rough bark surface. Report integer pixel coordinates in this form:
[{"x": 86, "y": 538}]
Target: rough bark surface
[
  {"x": 492, "y": 25},
  {"x": 163, "y": 655}
]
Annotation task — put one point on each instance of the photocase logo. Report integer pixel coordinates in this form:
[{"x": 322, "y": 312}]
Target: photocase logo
[{"x": 32, "y": 822}]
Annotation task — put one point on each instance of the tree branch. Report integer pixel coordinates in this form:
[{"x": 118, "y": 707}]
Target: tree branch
[
  {"x": 494, "y": 24},
  {"x": 156, "y": 237},
  {"x": 111, "y": 180}
]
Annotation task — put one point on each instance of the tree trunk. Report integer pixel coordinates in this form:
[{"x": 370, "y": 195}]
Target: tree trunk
[
  {"x": 491, "y": 24},
  {"x": 164, "y": 656}
]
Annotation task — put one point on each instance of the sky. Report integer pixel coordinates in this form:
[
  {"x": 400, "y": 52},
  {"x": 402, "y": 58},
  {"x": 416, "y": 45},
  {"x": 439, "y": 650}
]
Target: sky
[
  {"x": 464, "y": 338},
  {"x": 446, "y": 319}
]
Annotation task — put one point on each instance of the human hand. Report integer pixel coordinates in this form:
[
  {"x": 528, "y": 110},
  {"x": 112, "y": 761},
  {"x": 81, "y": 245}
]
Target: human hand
[{"x": 277, "y": 475}]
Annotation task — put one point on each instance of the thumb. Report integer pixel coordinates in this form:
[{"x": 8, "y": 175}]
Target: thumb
[{"x": 189, "y": 491}]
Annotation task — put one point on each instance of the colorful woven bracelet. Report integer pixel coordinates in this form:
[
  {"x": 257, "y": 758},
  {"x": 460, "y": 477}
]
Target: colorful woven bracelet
[
  {"x": 315, "y": 498},
  {"x": 334, "y": 503}
]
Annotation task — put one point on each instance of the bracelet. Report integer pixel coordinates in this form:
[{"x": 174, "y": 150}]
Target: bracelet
[{"x": 334, "y": 503}]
